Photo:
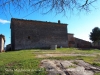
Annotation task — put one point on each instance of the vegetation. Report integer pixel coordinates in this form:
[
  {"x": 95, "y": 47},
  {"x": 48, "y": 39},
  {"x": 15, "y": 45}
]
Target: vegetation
[
  {"x": 26, "y": 62},
  {"x": 95, "y": 34},
  {"x": 97, "y": 73},
  {"x": 20, "y": 63}
]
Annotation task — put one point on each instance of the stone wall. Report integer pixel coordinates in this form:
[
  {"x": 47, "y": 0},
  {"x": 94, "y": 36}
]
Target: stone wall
[
  {"x": 76, "y": 42},
  {"x": 8, "y": 47},
  {"x": 71, "y": 40},
  {"x": 27, "y": 34},
  {"x": 82, "y": 43},
  {"x": 2, "y": 42}
]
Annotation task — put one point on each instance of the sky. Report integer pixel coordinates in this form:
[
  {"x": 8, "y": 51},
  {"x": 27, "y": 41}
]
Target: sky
[{"x": 79, "y": 24}]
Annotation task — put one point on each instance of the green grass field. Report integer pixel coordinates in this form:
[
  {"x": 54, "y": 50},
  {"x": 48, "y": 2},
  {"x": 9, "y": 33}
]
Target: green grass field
[{"x": 25, "y": 62}]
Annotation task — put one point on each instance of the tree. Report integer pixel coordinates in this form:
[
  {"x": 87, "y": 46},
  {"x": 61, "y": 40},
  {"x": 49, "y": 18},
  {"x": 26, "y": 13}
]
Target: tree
[
  {"x": 95, "y": 34},
  {"x": 58, "y": 6}
]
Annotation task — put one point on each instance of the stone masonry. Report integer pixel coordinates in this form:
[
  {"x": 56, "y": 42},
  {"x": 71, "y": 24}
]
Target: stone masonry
[
  {"x": 2, "y": 42},
  {"x": 28, "y": 34},
  {"x": 76, "y": 42},
  {"x": 71, "y": 40}
]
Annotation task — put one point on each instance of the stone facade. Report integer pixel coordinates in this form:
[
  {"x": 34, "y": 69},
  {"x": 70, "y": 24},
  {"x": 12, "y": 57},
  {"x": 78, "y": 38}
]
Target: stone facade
[
  {"x": 2, "y": 42},
  {"x": 96, "y": 44},
  {"x": 8, "y": 47},
  {"x": 82, "y": 43},
  {"x": 28, "y": 34},
  {"x": 71, "y": 40},
  {"x": 76, "y": 42}
]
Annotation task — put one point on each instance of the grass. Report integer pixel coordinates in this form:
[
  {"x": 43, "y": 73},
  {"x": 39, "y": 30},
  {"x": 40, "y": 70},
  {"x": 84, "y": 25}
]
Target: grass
[
  {"x": 72, "y": 66},
  {"x": 24, "y": 67},
  {"x": 7, "y": 57},
  {"x": 97, "y": 73},
  {"x": 25, "y": 62},
  {"x": 20, "y": 63},
  {"x": 68, "y": 51}
]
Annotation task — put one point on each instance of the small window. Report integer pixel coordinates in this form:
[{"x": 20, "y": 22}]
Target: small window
[{"x": 29, "y": 37}]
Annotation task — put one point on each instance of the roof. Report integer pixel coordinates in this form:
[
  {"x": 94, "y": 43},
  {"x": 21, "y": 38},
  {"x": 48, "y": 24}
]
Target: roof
[
  {"x": 70, "y": 34},
  {"x": 38, "y": 21},
  {"x": 81, "y": 40}
]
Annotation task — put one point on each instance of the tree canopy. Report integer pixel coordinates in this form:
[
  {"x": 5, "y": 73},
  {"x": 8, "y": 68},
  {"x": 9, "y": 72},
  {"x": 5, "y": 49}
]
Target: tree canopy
[
  {"x": 58, "y": 6},
  {"x": 95, "y": 34}
]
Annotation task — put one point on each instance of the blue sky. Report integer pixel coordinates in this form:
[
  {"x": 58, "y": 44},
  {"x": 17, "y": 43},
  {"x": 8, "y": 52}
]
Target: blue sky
[{"x": 80, "y": 24}]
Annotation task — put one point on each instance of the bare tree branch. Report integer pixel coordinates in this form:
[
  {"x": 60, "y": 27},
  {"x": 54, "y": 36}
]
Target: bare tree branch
[{"x": 46, "y": 6}]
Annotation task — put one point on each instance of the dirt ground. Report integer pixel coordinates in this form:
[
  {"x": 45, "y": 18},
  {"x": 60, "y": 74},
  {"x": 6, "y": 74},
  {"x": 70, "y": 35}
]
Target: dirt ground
[{"x": 60, "y": 55}]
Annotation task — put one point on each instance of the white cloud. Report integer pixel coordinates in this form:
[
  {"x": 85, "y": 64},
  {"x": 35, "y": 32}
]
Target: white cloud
[{"x": 4, "y": 21}]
